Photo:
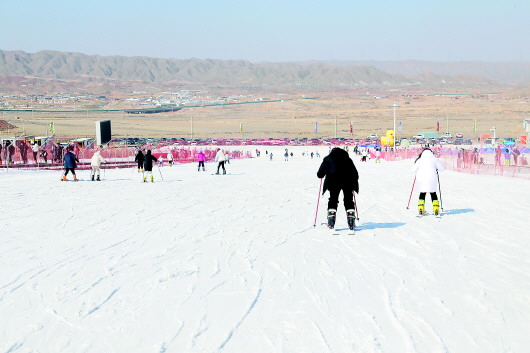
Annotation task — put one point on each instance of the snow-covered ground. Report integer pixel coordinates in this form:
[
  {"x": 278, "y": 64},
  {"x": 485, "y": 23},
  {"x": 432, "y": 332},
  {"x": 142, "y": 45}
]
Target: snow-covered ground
[{"x": 203, "y": 263}]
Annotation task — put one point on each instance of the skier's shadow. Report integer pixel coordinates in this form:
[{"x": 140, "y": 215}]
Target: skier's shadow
[
  {"x": 372, "y": 225},
  {"x": 457, "y": 211}
]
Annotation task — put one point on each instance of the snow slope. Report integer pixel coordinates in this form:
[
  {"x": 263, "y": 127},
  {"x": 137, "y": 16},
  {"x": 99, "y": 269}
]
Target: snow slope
[{"x": 232, "y": 263}]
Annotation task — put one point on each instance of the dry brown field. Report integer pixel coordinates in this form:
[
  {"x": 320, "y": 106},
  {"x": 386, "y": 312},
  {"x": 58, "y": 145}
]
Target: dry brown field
[{"x": 296, "y": 117}]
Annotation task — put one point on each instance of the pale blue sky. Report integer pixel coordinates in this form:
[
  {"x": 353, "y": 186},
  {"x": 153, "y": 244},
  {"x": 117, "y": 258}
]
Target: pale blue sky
[{"x": 273, "y": 30}]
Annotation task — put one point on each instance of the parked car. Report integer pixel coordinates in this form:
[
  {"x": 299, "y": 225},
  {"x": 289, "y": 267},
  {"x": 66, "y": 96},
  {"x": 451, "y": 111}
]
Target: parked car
[
  {"x": 372, "y": 137},
  {"x": 459, "y": 135},
  {"x": 447, "y": 135}
]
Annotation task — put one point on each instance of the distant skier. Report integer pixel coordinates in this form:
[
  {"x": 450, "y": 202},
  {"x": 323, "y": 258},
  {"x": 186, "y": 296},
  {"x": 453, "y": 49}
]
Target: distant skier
[
  {"x": 426, "y": 168},
  {"x": 364, "y": 155},
  {"x": 220, "y": 157},
  {"x": 227, "y": 158},
  {"x": 170, "y": 159},
  {"x": 201, "y": 158},
  {"x": 95, "y": 163},
  {"x": 69, "y": 164},
  {"x": 35, "y": 150},
  {"x": 286, "y": 155},
  {"x": 341, "y": 174},
  {"x": 148, "y": 165},
  {"x": 270, "y": 156},
  {"x": 378, "y": 155},
  {"x": 140, "y": 160}
]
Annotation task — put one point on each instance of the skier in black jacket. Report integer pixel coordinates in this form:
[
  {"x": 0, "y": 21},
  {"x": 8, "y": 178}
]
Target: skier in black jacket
[
  {"x": 140, "y": 160},
  {"x": 341, "y": 174},
  {"x": 148, "y": 165}
]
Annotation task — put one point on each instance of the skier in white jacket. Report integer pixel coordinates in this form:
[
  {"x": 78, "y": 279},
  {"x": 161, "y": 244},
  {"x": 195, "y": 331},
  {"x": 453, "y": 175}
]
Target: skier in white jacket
[
  {"x": 95, "y": 163},
  {"x": 426, "y": 168},
  {"x": 220, "y": 157}
]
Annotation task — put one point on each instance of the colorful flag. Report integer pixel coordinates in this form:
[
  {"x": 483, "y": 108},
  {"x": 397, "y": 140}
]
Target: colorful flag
[
  {"x": 316, "y": 126},
  {"x": 400, "y": 126},
  {"x": 241, "y": 127},
  {"x": 351, "y": 127},
  {"x": 437, "y": 125},
  {"x": 475, "y": 125},
  {"x": 52, "y": 127}
]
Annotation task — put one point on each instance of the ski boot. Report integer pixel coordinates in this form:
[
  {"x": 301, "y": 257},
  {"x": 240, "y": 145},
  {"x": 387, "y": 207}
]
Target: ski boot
[
  {"x": 97, "y": 178},
  {"x": 75, "y": 178},
  {"x": 92, "y": 178},
  {"x": 152, "y": 179},
  {"x": 64, "y": 178},
  {"x": 145, "y": 179},
  {"x": 421, "y": 207},
  {"x": 351, "y": 218},
  {"x": 436, "y": 207},
  {"x": 332, "y": 215}
]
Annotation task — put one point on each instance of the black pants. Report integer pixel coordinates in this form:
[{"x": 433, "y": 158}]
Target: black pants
[
  {"x": 140, "y": 165},
  {"x": 221, "y": 165},
  {"x": 334, "y": 198},
  {"x": 433, "y": 196},
  {"x": 66, "y": 170},
  {"x": 201, "y": 164}
]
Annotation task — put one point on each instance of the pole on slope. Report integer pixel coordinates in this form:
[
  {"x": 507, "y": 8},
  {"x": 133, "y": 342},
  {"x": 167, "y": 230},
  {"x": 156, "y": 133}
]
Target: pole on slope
[
  {"x": 356, "y": 208},
  {"x": 414, "y": 182},
  {"x": 318, "y": 203},
  {"x": 440, "y": 189}
]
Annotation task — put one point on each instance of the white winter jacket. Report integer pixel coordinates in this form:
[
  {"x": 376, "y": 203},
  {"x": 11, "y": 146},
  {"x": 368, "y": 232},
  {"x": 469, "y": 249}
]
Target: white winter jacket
[
  {"x": 220, "y": 156},
  {"x": 425, "y": 169},
  {"x": 97, "y": 159}
]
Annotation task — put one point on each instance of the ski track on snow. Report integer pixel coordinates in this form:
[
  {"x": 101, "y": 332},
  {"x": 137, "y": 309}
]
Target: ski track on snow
[{"x": 234, "y": 264}]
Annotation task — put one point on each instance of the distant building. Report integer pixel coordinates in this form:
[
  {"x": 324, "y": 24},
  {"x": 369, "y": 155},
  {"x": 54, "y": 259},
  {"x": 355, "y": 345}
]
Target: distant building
[{"x": 4, "y": 126}]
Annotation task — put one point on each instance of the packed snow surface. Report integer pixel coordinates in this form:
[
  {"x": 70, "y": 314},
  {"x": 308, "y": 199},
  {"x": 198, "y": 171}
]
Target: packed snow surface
[{"x": 232, "y": 263}]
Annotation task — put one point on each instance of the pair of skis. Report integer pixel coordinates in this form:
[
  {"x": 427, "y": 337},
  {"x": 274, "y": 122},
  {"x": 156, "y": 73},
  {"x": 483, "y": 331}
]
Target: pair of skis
[{"x": 338, "y": 231}]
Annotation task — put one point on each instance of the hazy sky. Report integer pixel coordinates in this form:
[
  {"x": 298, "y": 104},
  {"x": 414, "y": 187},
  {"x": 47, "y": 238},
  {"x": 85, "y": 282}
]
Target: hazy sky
[{"x": 273, "y": 30}]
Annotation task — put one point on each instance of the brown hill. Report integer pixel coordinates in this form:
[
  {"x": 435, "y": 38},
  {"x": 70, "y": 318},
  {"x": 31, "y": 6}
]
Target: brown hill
[{"x": 228, "y": 73}]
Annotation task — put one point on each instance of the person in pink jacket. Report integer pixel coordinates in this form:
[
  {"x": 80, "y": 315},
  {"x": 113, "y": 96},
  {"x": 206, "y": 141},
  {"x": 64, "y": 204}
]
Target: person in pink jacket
[{"x": 201, "y": 158}]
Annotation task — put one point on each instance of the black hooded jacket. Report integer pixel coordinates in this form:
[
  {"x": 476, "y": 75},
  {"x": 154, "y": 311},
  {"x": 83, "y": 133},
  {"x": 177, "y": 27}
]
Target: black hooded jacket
[
  {"x": 139, "y": 158},
  {"x": 148, "y": 161},
  {"x": 339, "y": 170}
]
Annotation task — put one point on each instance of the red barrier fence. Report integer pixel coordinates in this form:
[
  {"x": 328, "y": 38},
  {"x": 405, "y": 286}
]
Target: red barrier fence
[
  {"x": 501, "y": 161},
  {"x": 50, "y": 157}
]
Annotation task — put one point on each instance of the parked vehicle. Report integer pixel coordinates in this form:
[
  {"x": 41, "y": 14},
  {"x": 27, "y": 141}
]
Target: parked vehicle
[{"x": 459, "y": 135}]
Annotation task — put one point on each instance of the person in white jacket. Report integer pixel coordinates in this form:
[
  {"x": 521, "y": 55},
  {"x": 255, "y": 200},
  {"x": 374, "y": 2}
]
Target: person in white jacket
[
  {"x": 95, "y": 164},
  {"x": 426, "y": 168},
  {"x": 220, "y": 157},
  {"x": 170, "y": 159}
]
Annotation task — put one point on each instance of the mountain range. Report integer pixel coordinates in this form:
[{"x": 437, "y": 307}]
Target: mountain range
[{"x": 241, "y": 73}]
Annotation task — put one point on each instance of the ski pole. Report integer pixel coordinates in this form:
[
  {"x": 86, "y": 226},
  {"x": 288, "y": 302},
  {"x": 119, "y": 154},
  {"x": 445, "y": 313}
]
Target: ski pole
[
  {"x": 440, "y": 189},
  {"x": 318, "y": 202},
  {"x": 414, "y": 182},
  {"x": 356, "y": 208}
]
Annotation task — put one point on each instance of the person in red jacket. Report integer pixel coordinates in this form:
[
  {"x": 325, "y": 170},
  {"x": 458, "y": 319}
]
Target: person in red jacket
[{"x": 201, "y": 158}]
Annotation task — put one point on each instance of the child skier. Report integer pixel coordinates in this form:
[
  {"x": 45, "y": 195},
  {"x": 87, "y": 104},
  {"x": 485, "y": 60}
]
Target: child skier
[
  {"x": 201, "y": 158},
  {"x": 140, "y": 160},
  {"x": 148, "y": 165},
  {"x": 95, "y": 163},
  {"x": 341, "y": 174},
  {"x": 426, "y": 168},
  {"x": 69, "y": 164}
]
